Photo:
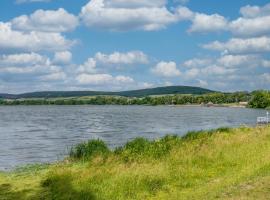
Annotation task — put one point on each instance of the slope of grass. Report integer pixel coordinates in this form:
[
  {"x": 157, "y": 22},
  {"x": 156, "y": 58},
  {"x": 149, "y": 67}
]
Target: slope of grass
[{"x": 221, "y": 164}]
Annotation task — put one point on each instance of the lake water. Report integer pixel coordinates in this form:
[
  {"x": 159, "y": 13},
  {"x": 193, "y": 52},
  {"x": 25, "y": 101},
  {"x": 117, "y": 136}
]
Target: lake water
[{"x": 35, "y": 134}]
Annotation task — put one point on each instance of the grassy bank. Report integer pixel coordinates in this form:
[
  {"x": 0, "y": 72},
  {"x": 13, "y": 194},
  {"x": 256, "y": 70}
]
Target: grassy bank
[{"x": 221, "y": 164}]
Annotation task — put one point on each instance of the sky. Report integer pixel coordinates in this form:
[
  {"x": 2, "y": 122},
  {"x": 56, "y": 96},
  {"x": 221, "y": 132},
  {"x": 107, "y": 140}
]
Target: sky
[{"x": 115, "y": 45}]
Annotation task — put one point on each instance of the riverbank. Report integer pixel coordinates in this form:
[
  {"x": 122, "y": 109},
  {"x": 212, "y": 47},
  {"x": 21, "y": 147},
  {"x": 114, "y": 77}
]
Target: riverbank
[{"x": 220, "y": 164}]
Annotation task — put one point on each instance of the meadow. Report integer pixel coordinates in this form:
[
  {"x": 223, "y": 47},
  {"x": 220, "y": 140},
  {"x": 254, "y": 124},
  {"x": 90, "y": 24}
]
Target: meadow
[{"x": 217, "y": 164}]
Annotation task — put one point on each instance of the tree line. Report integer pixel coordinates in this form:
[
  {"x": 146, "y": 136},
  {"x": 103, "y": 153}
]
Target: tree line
[{"x": 257, "y": 99}]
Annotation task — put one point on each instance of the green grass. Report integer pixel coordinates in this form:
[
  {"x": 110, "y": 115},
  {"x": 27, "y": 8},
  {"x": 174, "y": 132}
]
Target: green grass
[{"x": 218, "y": 164}]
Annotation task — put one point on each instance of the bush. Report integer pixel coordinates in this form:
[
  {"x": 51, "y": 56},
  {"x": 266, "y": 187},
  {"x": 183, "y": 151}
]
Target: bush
[
  {"x": 141, "y": 148},
  {"x": 89, "y": 149},
  {"x": 260, "y": 99}
]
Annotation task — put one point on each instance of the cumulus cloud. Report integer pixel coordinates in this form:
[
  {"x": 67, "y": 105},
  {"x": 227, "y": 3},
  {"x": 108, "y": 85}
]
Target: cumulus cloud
[
  {"x": 202, "y": 22},
  {"x": 265, "y": 78},
  {"x": 240, "y": 45},
  {"x": 217, "y": 70},
  {"x": 208, "y": 23},
  {"x": 55, "y": 76},
  {"x": 250, "y": 27},
  {"x": 88, "y": 67},
  {"x": 195, "y": 62},
  {"x": 62, "y": 57},
  {"x": 255, "y": 11},
  {"x": 134, "y": 3},
  {"x": 124, "y": 15},
  {"x": 202, "y": 83},
  {"x": 94, "y": 71},
  {"x": 132, "y": 57},
  {"x": 238, "y": 60},
  {"x": 23, "y": 59},
  {"x": 166, "y": 69},
  {"x": 228, "y": 72},
  {"x": 101, "y": 60},
  {"x": 46, "y": 21},
  {"x": 102, "y": 79},
  {"x": 31, "y": 41},
  {"x": 255, "y": 21},
  {"x": 192, "y": 73},
  {"x": 29, "y": 66}
]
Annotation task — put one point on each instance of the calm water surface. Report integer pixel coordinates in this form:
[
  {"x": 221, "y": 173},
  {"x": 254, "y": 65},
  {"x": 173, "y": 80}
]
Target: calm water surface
[{"x": 34, "y": 134}]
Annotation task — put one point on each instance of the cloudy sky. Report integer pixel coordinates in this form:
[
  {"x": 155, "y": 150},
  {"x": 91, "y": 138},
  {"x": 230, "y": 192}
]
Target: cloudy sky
[{"x": 131, "y": 44}]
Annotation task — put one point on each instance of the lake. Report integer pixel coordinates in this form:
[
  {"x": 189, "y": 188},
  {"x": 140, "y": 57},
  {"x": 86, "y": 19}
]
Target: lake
[{"x": 38, "y": 134}]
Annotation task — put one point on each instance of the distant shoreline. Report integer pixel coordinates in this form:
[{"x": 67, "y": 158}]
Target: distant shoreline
[{"x": 257, "y": 99}]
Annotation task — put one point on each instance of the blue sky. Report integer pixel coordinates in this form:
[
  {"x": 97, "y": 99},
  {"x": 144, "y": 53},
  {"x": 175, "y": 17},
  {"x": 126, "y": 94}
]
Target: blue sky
[{"x": 132, "y": 44}]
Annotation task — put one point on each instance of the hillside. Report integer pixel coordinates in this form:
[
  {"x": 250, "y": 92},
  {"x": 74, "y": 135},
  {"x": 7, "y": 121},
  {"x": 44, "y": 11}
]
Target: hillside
[
  {"x": 221, "y": 164},
  {"x": 133, "y": 93}
]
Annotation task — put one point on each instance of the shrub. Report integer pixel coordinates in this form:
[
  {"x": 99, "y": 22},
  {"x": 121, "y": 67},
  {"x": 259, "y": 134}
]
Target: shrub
[
  {"x": 89, "y": 149},
  {"x": 141, "y": 148}
]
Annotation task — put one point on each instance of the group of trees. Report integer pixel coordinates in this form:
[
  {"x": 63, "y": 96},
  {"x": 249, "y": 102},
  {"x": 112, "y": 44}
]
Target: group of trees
[
  {"x": 260, "y": 99},
  {"x": 216, "y": 98}
]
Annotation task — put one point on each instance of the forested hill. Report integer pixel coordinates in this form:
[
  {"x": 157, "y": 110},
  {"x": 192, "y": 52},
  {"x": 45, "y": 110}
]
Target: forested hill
[{"x": 134, "y": 93}]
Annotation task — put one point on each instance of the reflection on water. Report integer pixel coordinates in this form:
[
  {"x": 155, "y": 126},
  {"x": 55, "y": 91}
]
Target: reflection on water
[{"x": 31, "y": 134}]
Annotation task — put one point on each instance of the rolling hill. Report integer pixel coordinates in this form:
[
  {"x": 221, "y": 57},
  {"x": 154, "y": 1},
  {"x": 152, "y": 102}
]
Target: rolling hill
[{"x": 133, "y": 93}]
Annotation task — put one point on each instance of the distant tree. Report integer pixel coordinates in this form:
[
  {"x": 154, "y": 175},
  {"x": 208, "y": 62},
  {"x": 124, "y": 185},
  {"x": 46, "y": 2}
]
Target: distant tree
[{"x": 260, "y": 99}]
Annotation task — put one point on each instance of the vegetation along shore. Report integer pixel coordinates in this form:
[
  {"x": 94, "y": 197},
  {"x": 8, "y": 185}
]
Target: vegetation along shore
[
  {"x": 219, "y": 164},
  {"x": 177, "y": 95}
]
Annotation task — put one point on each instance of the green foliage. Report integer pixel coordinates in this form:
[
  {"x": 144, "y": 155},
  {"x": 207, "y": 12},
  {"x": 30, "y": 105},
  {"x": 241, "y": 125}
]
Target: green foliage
[
  {"x": 260, "y": 99},
  {"x": 141, "y": 148},
  {"x": 216, "y": 98},
  {"x": 89, "y": 149}
]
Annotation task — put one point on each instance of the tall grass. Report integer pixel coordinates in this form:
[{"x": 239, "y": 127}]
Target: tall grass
[
  {"x": 89, "y": 149},
  {"x": 217, "y": 164}
]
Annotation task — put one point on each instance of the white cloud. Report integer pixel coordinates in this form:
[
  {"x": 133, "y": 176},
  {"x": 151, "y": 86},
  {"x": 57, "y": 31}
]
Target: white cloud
[
  {"x": 124, "y": 79},
  {"x": 62, "y": 57},
  {"x": 265, "y": 78},
  {"x": 88, "y": 67},
  {"x": 238, "y": 45},
  {"x": 23, "y": 59},
  {"x": 124, "y": 15},
  {"x": 192, "y": 73},
  {"x": 255, "y": 11},
  {"x": 54, "y": 76},
  {"x": 238, "y": 60},
  {"x": 132, "y": 57},
  {"x": 217, "y": 70},
  {"x": 266, "y": 63},
  {"x": 255, "y": 21},
  {"x": 32, "y": 41},
  {"x": 250, "y": 27},
  {"x": 102, "y": 79},
  {"x": 147, "y": 85},
  {"x": 29, "y": 66},
  {"x": 184, "y": 13},
  {"x": 208, "y": 23},
  {"x": 101, "y": 61},
  {"x": 202, "y": 83},
  {"x": 166, "y": 69},
  {"x": 46, "y": 21},
  {"x": 168, "y": 83},
  {"x": 195, "y": 62},
  {"x": 134, "y": 3},
  {"x": 202, "y": 22}
]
